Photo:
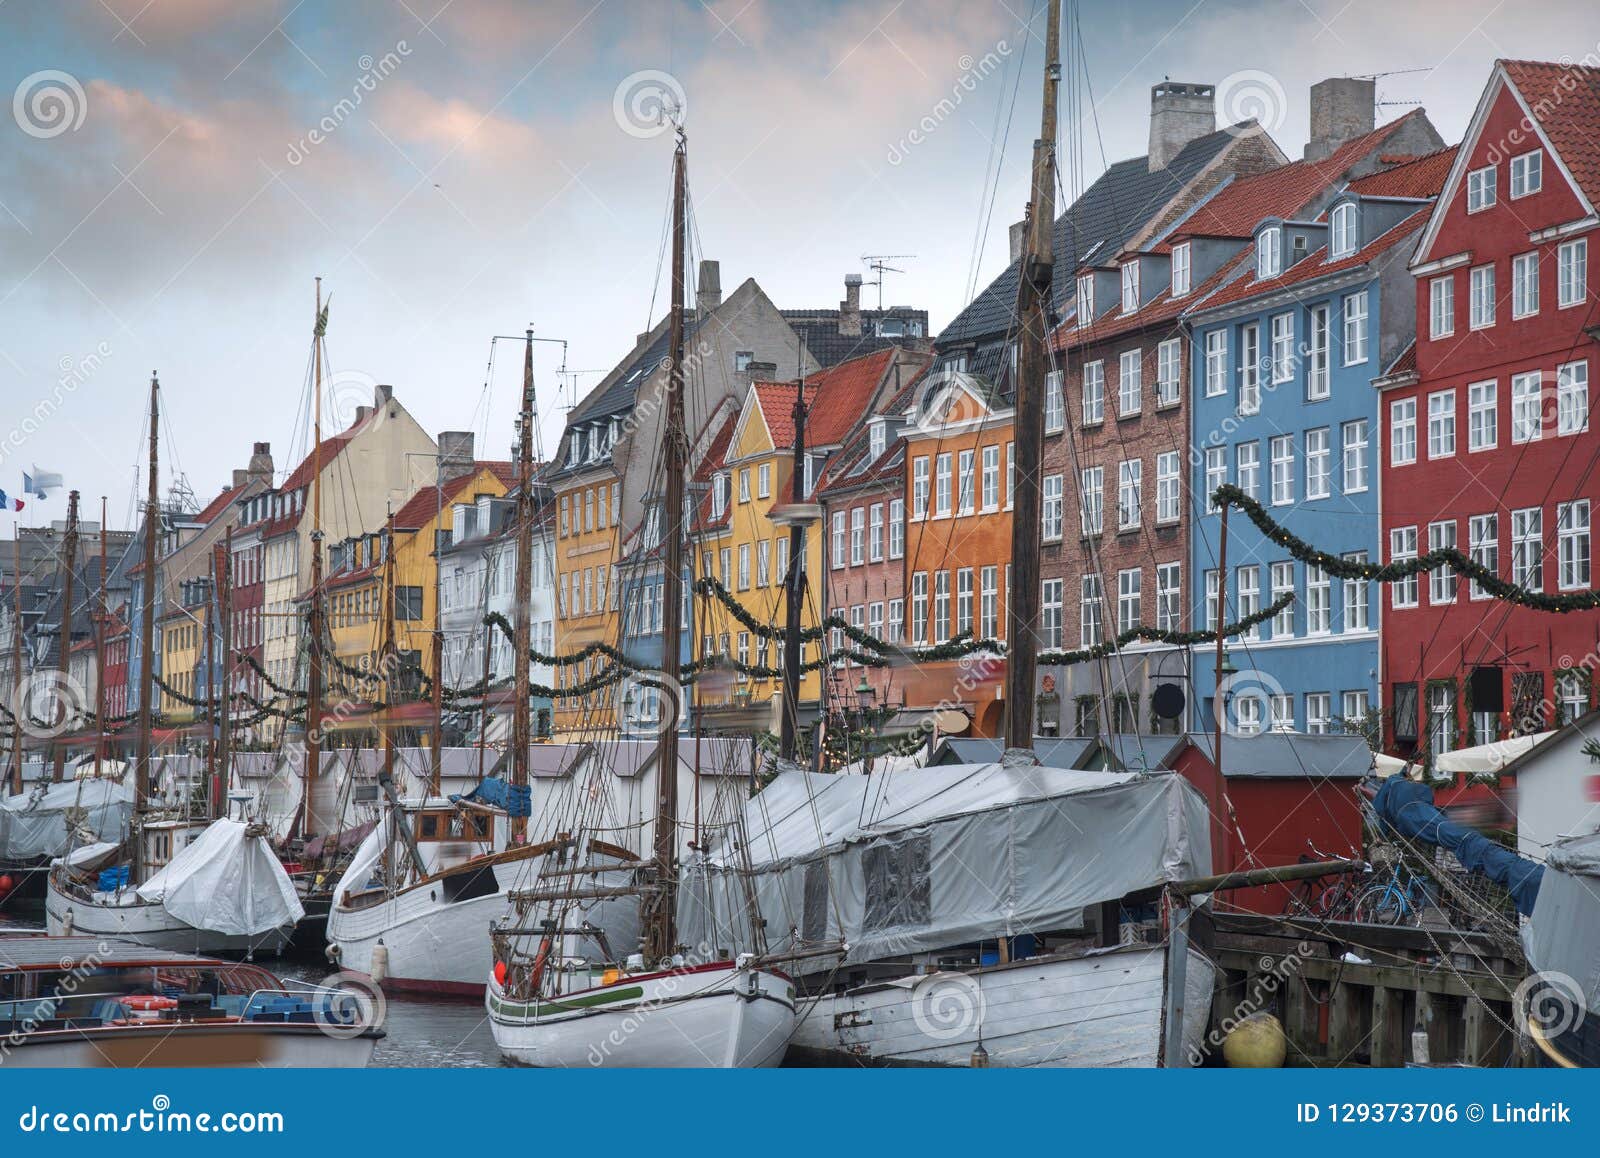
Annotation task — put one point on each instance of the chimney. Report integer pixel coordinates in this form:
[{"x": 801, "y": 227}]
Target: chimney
[
  {"x": 362, "y": 414},
  {"x": 708, "y": 288},
  {"x": 1179, "y": 113},
  {"x": 1342, "y": 109},
  {"x": 240, "y": 478},
  {"x": 455, "y": 454},
  {"x": 1019, "y": 238},
  {"x": 261, "y": 462},
  {"x": 381, "y": 396},
  {"x": 761, "y": 371},
  {"x": 850, "y": 308}
]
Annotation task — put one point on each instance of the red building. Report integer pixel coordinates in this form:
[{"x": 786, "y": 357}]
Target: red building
[{"x": 1486, "y": 437}]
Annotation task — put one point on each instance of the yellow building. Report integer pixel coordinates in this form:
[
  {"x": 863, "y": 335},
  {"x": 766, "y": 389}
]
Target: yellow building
[{"x": 587, "y": 535}]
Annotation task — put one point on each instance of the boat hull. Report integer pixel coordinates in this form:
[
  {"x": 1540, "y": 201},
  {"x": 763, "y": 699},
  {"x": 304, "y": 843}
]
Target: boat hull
[
  {"x": 719, "y": 1016},
  {"x": 166, "y": 1045},
  {"x": 1103, "y": 1011},
  {"x": 150, "y": 924},
  {"x": 434, "y": 945}
]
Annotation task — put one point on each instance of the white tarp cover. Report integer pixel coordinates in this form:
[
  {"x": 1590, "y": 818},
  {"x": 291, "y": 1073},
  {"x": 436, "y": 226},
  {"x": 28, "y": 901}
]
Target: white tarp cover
[
  {"x": 1563, "y": 935},
  {"x": 38, "y": 824},
  {"x": 927, "y": 858},
  {"x": 365, "y": 862},
  {"x": 1486, "y": 758},
  {"x": 227, "y": 882}
]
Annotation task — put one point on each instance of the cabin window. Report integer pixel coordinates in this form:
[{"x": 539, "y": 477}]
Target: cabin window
[{"x": 448, "y": 824}]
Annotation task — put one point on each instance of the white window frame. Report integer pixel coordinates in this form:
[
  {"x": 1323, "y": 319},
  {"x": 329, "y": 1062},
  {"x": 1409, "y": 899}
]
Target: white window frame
[
  {"x": 1572, "y": 397},
  {"x": 991, "y": 478},
  {"x": 1319, "y": 463},
  {"x": 1527, "y": 174},
  {"x": 1527, "y": 417},
  {"x": 1342, "y": 231},
  {"x": 1442, "y": 306},
  {"x": 1573, "y": 544},
  {"x": 1318, "y": 380},
  {"x": 1182, "y": 269},
  {"x": 1130, "y": 598},
  {"x": 1572, "y": 273},
  {"x": 1483, "y": 547},
  {"x": 1355, "y": 329},
  {"x": 1169, "y": 596},
  {"x": 1130, "y": 287},
  {"x": 1216, "y": 376},
  {"x": 1130, "y": 382},
  {"x": 1356, "y": 462},
  {"x": 1269, "y": 253},
  {"x": 1483, "y": 416},
  {"x": 1094, "y": 392},
  {"x": 1055, "y": 403},
  {"x": 1169, "y": 497},
  {"x": 1403, "y": 593},
  {"x": 1442, "y": 587},
  {"x": 1216, "y": 468},
  {"x": 1280, "y": 577},
  {"x": 1481, "y": 308},
  {"x": 1442, "y": 424},
  {"x": 1092, "y": 499},
  {"x": 1525, "y": 285},
  {"x": 1051, "y": 499},
  {"x": 1130, "y": 494},
  {"x": 1249, "y": 369},
  {"x": 1247, "y": 458},
  {"x": 1169, "y": 372},
  {"x": 1402, "y": 432},
  {"x": 1319, "y": 601},
  {"x": 1282, "y": 358},
  {"x": 1481, "y": 188},
  {"x": 1281, "y": 455},
  {"x": 1527, "y": 548}
]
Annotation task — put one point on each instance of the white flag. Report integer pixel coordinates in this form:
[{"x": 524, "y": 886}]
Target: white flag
[{"x": 41, "y": 482}]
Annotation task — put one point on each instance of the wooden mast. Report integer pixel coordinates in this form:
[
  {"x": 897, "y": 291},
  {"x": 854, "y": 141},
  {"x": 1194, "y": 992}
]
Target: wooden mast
[
  {"x": 100, "y": 621},
  {"x": 314, "y": 626},
  {"x": 521, "y": 735},
  {"x": 64, "y": 631},
  {"x": 224, "y": 772},
  {"x": 794, "y": 580},
  {"x": 661, "y": 937},
  {"x": 16, "y": 656},
  {"x": 387, "y": 654},
  {"x": 1033, "y": 363},
  {"x": 211, "y": 681},
  {"x": 147, "y": 636}
]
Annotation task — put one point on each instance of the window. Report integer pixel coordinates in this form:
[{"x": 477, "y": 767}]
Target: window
[
  {"x": 1248, "y": 600},
  {"x": 1353, "y": 709},
  {"x": 1319, "y": 601},
  {"x": 1280, "y": 711},
  {"x": 1442, "y": 424},
  {"x": 1091, "y": 610},
  {"x": 1216, "y": 363},
  {"x": 838, "y": 540},
  {"x": 1355, "y": 329},
  {"x": 1355, "y": 456},
  {"x": 897, "y": 620},
  {"x": 763, "y": 563},
  {"x": 1319, "y": 471},
  {"x": 1011, "y": 473},
  {"x": 1524, "y": 285},
  {"x": 1572, "y": 398},
  {"x": 1481, "y": 188},
  {"x": 858, "y": 536},
  {"x": 1092, "y": 499},
  {"x": 1442, "y": 580},
  {"x": 941, "y": 486},
  {"x": 1281, "y": 576},
  {"x": 1180, "y": 270},
  {"x": 566, "y": 526},
  {"x": 1050, "y": 507},
  {"x": 1213, "y": 594},
  {"x": 764, "y": 472},
  {"x": 965, "y": 483},
  {"x": 1094, "y": 392},
  {"x": 1130, "y": 493},
  {"x": 1128, "y": 611},
  {"x": 1247, "y": 714},
  {"x": 1055, "y": 405},
  {"x": 897, "y": 528},
  {"x": 941, "y": 606},
  {"x": 1527, "y": 548},
  {"x": 1051, "y": 594},
  {"x": 1527, "y": 174},
  {"x": 1572, "y": 272},
  {"x": 1572, "y": 694},
  {"x": 1086, "y": 299},
  {"x": 1317, "y": 386},
  {"x": 919, "y": 488},
  {"x": 1247, "y": 468},
  {"x": 744, "y": 484},
  {"x": 1483, "y": 542},
  {"x": 1342, "y": 231},
  {"x": 1442, "y": 306},
  {"x": 783, "y": 560},
  {"x": 1525, "y": 417},
  {"x": 1216, "y": 474},
  {"x": 1441, "y": 718},
  {"x": 408, "y": 603},
  {"x": 1319, "y": 713},
  {"x": 1168, "y": 506},
  {"x": 1129, "y": 382},
  {"x": 588, "y": 510},
  {"x": 1402, "y": 431},
  {"x": 991, "y": 478},
  {"x": 1572, "y": 545},
  {"x": 989, "y": 603},
  {"x": 1130, "y": 286},
  {"x": 1481, "y": 311},
  {"x": 1269, "y": 252},
  {"x": 1169, "y": 580},
  {"x": 1282, "y": 451},
  {"x": 1282, "y": 347},
  {"x": 964, "y": 601},
  {"x": 919, "y": 607},
  {"x": 1249, "y": 369},
  {"x": 1403, "y": 548},
  {"x": 719, "y": 495},
  {"x": 1169, "y": 370},
  {"x": 1482, "y": 421}
]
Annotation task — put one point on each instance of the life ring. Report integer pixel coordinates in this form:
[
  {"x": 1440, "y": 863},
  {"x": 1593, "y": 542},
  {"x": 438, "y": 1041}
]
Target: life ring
[{"x": 149, "y": 1003}]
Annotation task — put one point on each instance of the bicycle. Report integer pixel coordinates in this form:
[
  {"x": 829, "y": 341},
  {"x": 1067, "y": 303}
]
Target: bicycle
[
  {"x": 1319, "y": 898},
  {"x": 1397, "y": 898}
]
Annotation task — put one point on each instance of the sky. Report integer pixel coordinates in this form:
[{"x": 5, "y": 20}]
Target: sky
[{"x": 175, "y": 174}]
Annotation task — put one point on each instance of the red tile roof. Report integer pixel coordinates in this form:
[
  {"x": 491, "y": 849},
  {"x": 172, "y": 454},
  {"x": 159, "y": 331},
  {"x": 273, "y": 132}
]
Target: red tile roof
[
  {"x": 1406, "y": 363},
  {"x": 301, "y": 475},
  {"x": 219, "y": 504},
  {"x": 425, "y": 504},
  {"x": 714, "y": 460},
  {"x": 1315, "y": 265},
  {"x": 1239, "y": 207},
  {"x": 1410, "y": 177},
  {"x": 1565, "y": 101},
  {"x": 836, "y": 398}
]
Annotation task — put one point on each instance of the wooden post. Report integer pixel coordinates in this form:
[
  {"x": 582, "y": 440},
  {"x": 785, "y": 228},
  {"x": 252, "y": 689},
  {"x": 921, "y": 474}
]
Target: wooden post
[
  {"x": 147, "y": 635},
  {"x": 101, "y": 620},
  {"x": 1172, "y": 1056},
  {"x": 794, "y": 579},
  {"x": 1218, "y": 709},
  {"x": 1388, "y": 1042},
  {"x": 64, "y": 631}
]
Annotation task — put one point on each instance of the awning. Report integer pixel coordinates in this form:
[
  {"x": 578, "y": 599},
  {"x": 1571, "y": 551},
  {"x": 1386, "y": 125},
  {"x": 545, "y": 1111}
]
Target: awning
[{"x": 1487, "y": 759}]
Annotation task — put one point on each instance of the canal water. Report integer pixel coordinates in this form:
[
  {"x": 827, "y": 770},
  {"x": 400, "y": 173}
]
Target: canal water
[{"x": 422, "y": 1031}]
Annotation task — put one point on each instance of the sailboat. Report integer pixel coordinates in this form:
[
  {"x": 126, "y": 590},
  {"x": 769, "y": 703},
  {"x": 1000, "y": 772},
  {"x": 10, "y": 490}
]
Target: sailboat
[
  {"x": 551, "y": 1000},
  {"x": 186, "y": 883}
]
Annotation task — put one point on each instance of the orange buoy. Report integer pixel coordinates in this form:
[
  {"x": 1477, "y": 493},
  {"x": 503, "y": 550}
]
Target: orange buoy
[
  {"x": 6, "y": 884},
  {"x": 499, "y": 972}
]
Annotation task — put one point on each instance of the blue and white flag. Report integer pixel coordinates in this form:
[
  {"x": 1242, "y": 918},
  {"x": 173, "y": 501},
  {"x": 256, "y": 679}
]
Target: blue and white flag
[{"x": 41, "y": 482}]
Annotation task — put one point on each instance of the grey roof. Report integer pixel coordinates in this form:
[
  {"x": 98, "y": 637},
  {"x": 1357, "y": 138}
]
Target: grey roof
[
  {"x": 1052, "y": 753},
  {"x": 1138, "y": 753},
  {"x": 829, "y": 347},
  {"x": 1126, "y": 196},
  {"x": 1290, "y": 756},
  {"x": 34, "y": 952}
]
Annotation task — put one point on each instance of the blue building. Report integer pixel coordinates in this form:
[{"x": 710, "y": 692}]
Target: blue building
[{"x": 1284, "y": 359}]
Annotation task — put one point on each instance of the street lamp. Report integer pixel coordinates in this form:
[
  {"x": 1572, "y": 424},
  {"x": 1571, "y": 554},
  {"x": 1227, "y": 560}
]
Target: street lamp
[{"x": 865, "y": 695}]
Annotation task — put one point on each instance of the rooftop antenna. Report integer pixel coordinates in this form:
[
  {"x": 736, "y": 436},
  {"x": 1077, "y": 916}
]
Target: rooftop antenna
[
  {"x": 1379, "y": 103},
  {"x": 878, "y": 263}
]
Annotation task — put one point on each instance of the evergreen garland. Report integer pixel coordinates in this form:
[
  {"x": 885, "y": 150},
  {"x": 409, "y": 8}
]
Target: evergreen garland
[{"x": 1156, "y": 635}]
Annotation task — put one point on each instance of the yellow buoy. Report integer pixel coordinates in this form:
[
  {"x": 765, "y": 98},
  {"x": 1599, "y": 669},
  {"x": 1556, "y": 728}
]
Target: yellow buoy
[{"x": 1257, "y": 1042}]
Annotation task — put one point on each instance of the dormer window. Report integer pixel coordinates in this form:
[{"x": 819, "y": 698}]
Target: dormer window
[
  {"x": 1342, "y": 231},
  {"x": 719, "y": 495},
  {"x": 1180, "y": 270},
  {"x": 1269, "y": 252},
  {"x": 1085, "y": 299},
  {"x": 1130, "y": 287},
  {"x": 877, "y": 438}
]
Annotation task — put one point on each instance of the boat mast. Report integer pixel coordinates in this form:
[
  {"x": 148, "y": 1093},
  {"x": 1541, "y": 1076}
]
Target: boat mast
[
  {"x": 224, "y": 774},
  {"x": 100, "y": 651},
  {"x": 794, "y": 580},
  {"x": 521, "y": 736},
  {"x": 660, "y": 940},
  {"x": 64, "y": 631},
  {"x": 16, "y": 655},
  {"x": 1033, "y": 363},
  {"x": 314, "y": 679},
  {"x": 147, "y": 635}
]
